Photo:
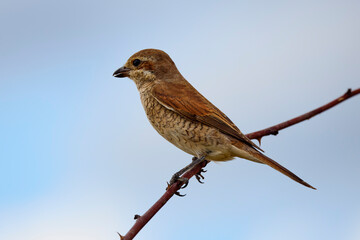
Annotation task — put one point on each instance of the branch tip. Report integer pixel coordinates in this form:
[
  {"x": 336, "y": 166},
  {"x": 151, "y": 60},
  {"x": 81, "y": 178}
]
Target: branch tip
[{"x": 274, "y": 130}]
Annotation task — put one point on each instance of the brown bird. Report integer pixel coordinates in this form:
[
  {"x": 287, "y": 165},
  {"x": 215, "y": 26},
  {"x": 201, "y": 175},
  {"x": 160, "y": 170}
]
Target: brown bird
[{"x": 184, "y": 117}]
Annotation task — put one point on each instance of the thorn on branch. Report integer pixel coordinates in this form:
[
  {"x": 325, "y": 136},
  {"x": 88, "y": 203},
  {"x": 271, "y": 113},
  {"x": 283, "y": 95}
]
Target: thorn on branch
[
  {"x": 348, "y": 92},
  {"x": 274, "y": 132},
  {"x": 346, "y": 95},
  {"x": 137, "y": 216},
  {"x": 259, "y": 140},
  {"x": 121, "y": 236}
]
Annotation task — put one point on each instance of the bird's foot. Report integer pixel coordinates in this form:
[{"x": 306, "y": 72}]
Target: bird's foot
[
  {"x": 184, "y": 182},
  {"x": 176, "y": 177},
  {"x": 199, "y": 176},
  {"x": 177, "y": 193}
]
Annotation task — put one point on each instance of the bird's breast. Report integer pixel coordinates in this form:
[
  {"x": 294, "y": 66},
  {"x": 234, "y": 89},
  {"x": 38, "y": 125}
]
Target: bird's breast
[{"x": 190, "y": 136}]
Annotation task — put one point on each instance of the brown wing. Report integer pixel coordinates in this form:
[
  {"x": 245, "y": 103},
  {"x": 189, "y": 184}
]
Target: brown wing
[{"x": 187, "y": 101}]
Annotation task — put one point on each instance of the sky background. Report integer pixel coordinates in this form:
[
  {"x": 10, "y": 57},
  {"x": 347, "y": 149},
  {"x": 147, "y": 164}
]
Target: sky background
[{"x": 78, "y": 157}]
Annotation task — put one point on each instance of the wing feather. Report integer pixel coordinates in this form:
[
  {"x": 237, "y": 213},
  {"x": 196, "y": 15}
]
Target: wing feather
[{"x": 187, "y": 101}]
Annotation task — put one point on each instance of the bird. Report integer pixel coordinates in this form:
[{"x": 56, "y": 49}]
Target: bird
[{"x": 185, "y": 118}]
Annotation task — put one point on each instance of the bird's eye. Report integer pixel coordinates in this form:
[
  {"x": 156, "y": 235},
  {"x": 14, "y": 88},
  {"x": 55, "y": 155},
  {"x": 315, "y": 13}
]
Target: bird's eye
[{"x": 136, "y": 62}]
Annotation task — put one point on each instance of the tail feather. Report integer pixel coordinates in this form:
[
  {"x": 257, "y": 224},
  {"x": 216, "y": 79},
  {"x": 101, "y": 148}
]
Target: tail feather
[{"x": 264, "y": 159}]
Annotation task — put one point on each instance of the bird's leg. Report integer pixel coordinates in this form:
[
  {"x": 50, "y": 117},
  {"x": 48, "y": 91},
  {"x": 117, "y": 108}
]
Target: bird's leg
[{"x": 177, "y": 175}]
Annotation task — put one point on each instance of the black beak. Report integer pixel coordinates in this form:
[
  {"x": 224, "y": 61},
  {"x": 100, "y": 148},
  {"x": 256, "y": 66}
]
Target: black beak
[{"x": 122, "y": 72}]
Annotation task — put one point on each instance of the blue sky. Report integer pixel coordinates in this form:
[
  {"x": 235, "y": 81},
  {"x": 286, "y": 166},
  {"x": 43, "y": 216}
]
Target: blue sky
[{"x": 78, "y": 157}]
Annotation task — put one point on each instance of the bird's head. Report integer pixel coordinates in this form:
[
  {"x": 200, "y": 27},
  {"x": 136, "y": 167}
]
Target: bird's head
[{"x": 148, "y": 65}]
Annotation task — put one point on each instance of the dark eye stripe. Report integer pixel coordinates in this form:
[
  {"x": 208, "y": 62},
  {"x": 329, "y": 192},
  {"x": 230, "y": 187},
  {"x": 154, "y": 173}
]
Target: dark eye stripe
[{"x": 136, "y": 62}]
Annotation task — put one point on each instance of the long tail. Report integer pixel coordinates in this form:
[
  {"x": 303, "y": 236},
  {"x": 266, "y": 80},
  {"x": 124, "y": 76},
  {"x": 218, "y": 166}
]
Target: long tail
[
  {"x": 245, "y": 151},
  {"x": 264, "y": 159}
]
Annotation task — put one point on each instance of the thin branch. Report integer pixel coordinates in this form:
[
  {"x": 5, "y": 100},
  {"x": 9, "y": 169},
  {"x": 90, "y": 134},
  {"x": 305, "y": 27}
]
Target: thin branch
[
  {"x": 274, "y": 130},
  {"x": 141, "y": 221}
]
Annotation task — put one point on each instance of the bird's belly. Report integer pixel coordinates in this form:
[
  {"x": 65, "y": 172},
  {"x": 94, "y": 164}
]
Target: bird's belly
[{"x": 190, "y": 136}]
